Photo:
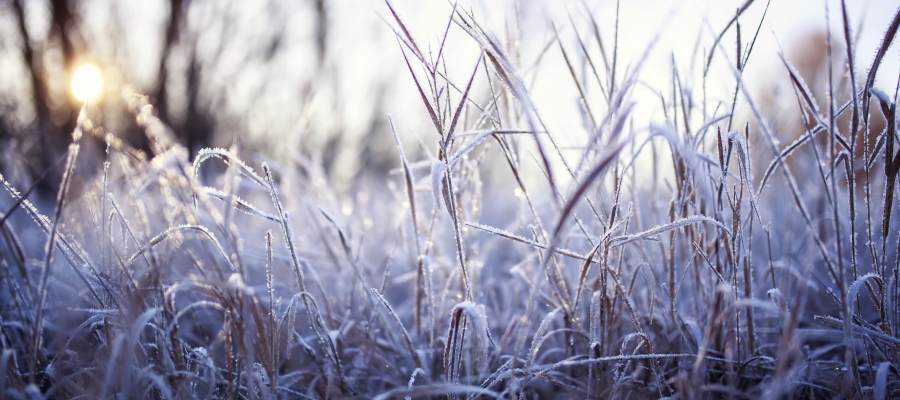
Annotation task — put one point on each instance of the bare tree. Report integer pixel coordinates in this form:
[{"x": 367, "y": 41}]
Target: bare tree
[{"x": 55, "y": 117}]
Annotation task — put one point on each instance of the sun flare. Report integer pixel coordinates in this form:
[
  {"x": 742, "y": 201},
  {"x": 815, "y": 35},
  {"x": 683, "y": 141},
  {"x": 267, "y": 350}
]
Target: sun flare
[{"x": 86, "y": 83}]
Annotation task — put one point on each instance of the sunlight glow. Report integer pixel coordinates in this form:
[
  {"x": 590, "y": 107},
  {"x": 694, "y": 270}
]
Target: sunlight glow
[{"x": 86, "y": 83}]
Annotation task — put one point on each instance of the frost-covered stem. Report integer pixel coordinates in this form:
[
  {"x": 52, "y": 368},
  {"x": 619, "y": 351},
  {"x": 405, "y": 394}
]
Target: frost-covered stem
[
  {"x": 851, "y": 380},
  {"x": 285, "y": 229},
  {"x": 460, "y": 253},
  {"x": 273, "y": 327},
  {"x": 47, "y": 269}
]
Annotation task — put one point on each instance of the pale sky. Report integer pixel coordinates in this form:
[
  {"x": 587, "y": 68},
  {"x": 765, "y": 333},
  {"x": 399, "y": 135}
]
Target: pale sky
[
  {"x": 677, "y": 25},
  {"x": 364, "y": 75}
]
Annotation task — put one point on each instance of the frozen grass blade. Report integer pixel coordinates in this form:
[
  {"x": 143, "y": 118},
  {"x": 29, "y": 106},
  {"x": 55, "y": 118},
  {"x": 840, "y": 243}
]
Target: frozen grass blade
[
  {"x": 462, "y": 102},
  {"x": 565, "y": 55},
  {"x": 876, "y": 63},
  {"x": 733, "y": 20},
  {"x": 285, "y": 228},
  {"x": 539, "y": 336},
  {"x": 156, "y": 240},
  {"x": 603, "y": 241},
  {"x": 240, "y": 204},
  {"x": 406, "y": 338},
  {"x": 666, "y": 313},
  {"x": 24, "y": 195},
  {"x": 850, "y": 357},
  {"x": 437, "y": 390},
  {"x": 810, "y": 101},
  {"x": 511, "y": 236},
  {"x": 434, "y": 118},
  {"x": 409, "y": 39},
  {"x": 678, "y": 223},
  {"x": 72, "y": 252},
  {"x": 510, "y": 78},
  {"x": 891, "y": 171},
  {"x": 589, "y": 179},
  {"x": 47, "y": 269}
]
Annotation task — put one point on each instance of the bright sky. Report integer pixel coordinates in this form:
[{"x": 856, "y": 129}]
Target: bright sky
[
  {"x": 677, "y": 25},
  {"x": 364, "y": 76}
]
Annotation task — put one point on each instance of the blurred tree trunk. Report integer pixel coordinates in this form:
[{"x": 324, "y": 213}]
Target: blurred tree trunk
[
  {"x": 198, "y": 126},
  {"x": 321, "y": 31},
  {"x": 62, "y": 28},
  {"x": 173, "y": 29},
  {"x": 195, "y": 130},
  {"x": 54, "y": 120},
  {"x": 35, "y": 68}
]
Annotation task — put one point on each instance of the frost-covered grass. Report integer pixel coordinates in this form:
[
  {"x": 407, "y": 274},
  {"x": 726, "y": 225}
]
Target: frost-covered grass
[{"x": 691, "y": 262}]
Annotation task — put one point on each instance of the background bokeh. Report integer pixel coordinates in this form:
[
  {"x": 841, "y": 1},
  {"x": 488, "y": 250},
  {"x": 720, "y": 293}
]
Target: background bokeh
[{"x": 320, "y": 77}]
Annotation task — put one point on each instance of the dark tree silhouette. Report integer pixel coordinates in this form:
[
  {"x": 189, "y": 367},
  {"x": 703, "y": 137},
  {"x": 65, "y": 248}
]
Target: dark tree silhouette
[{"x": 46, "y": 139}]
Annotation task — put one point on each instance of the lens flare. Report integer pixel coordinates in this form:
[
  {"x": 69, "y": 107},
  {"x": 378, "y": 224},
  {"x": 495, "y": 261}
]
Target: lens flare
[{"x": 86, "y": 83}]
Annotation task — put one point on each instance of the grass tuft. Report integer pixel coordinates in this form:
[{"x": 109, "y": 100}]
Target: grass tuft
[{"x": 668, "y": 256}]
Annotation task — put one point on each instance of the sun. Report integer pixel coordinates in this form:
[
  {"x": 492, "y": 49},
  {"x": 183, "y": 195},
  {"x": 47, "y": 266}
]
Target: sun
[{"x": 86, "y": 83}]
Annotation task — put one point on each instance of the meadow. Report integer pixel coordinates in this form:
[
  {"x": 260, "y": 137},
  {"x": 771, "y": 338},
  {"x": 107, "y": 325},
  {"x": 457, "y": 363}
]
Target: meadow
[{"x": 737, "y": 248}]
